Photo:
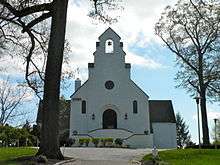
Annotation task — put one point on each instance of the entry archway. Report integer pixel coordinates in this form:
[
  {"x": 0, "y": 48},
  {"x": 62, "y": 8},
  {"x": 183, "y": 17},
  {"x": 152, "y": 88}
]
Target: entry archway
[{"x": 109, "y": 119}]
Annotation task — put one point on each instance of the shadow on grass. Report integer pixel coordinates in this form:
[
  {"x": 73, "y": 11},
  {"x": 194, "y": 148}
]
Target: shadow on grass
[{"x": 27, "y": 160}]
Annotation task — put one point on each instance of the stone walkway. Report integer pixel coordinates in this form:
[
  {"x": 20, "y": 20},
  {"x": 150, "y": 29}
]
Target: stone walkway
[
  {"x": 99, "y": 162},
  {"x": 104, "y": 156}
]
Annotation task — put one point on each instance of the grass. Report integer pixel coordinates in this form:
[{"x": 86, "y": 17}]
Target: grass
[
  {"x": 8, "y": 155},
  {"x": 188, "y": 157}
]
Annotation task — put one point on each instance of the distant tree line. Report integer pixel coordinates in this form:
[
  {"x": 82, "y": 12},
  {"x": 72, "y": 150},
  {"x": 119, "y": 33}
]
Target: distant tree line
[{"x": 17, "y": 137}]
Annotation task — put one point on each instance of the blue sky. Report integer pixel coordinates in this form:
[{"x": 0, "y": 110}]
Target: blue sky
[
  {"x": 160, "y": 84},
  {"x": 153, "y": 65}
]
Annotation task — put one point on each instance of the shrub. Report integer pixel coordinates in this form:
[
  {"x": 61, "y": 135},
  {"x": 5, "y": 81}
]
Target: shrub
[
  {"x": 203, "y": 146},
  {"x": 86, "y": 141},
  {"x": 95, "y": 141},
  {"x": 106, "y": 140},
  {"x": 70, "y": 142},
  {"x": 216, "y": 142},
  {"x": 81, "y": 141},
  {"x": 118, "y": 141},
  {"x": 42, "y": 159},
  {"x": 103, "y": 140},
  {"x": 109, "y": 140},
  {"x": 31, "y": 163},
  {"x": 63, "y": 138}
]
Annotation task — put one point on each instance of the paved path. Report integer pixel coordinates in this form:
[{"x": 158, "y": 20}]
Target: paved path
[
  {"x": 104, "y": 156},
  {"x": 99, "y": 162}
]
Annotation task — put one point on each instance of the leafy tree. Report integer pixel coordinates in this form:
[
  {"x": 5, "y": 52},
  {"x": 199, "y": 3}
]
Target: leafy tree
[
  {"x": 64, "y": 114},
  {"x": 36, "y": 131},
  {"x": 10, "y": 135},
  {"x": 191, "y": 31},
  {"x": 27, "y": 126},
  {"x": 217, "y": 132},
  {"x": 3, "y": 136},
  {"x": 27, "y": 16},
  {"x": 64, "y": 138},
  {"x": 182, "y": 130}
]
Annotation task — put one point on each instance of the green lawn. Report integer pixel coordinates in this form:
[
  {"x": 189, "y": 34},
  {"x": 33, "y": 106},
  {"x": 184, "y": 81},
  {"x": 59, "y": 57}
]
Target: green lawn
[
  {"x": 189, "y": 157},
  {"x": 7, "y": 155}
]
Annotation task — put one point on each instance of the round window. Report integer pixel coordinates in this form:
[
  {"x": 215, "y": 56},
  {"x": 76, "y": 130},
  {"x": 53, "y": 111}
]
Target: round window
[{"x": 109, "y": 84}]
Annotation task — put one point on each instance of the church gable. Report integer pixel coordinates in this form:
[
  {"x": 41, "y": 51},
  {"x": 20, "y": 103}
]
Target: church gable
[
  {"x": 109, "y": 44},
  {"x": 109, "y": 32},
  {"x": 109, "y": 63},
  {"x": 109, "y": 103}
]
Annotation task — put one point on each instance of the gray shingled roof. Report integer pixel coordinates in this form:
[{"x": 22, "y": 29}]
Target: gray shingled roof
[
  {"x": 109, "y": 30},
  {"x": 161, "y": 111}
]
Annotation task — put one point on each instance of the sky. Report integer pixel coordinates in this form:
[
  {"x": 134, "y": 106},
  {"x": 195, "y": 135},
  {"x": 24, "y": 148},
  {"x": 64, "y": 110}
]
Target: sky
[{"x": 153, "y": 65}]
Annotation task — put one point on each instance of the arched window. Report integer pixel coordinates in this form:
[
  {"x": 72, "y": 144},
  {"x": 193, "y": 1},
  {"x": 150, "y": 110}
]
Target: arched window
[
  {"x": 83, "y": 106},
  {"x": 109, "y": 46},
  {"x": 135, "y": 107}
]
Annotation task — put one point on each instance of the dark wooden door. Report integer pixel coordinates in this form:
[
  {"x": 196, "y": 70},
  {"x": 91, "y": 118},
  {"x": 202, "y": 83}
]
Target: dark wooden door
[{"x": 109, "y": 119}]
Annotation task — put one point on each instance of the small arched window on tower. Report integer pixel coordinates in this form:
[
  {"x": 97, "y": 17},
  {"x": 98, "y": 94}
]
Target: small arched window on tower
[
  {"x": 109, "y": 46},
  {"x": 83, "y": 107},
  {"x": 135, "y": 107}
]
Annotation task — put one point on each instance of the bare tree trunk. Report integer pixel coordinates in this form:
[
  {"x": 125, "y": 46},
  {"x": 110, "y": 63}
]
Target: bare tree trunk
[
  {"x": 205, "y": 128},
  {"x": 49, "y": 145}
]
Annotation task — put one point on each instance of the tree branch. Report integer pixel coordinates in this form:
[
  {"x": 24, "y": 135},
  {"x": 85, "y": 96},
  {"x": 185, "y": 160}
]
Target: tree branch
[
  {"x": 35, "y": 9},
  {"x": 28, "y": 10},
  {"x": 43, "y": 17}
]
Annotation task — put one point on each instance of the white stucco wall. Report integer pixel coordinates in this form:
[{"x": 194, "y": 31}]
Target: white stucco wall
[
  {"x": 140, "y": 141},
  {"x": 120, "y": 98},
  {"x": 164, "y": 135},
  {"x": 113, "y": 133},
  {"x": 111, "y": 66}
]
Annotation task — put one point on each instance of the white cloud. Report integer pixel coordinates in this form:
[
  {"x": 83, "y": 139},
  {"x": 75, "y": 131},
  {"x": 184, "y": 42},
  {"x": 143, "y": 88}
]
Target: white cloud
[
  {"x": 135, "y": 26},
  {"x": 211, "y": 113},
  {"x": 11, "y": 66},
  {"x": 142, "y": 61}
]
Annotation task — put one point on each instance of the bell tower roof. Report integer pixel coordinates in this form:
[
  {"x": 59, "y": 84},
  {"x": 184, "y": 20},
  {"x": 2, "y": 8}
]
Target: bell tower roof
[{"x": 109, "y": 32}]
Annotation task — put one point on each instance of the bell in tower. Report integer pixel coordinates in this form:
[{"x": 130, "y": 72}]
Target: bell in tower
[{"x": 109, "y": 47}]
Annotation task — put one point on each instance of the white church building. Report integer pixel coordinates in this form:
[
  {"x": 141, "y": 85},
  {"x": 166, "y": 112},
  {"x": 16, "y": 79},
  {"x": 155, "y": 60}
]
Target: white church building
[{"x": 109, "y": 104}]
